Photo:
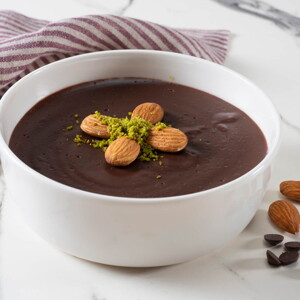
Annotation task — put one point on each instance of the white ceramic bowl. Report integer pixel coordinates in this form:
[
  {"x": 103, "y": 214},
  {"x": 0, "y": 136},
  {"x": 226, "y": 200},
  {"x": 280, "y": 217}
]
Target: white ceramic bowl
[{"x": 129, "y": 231}]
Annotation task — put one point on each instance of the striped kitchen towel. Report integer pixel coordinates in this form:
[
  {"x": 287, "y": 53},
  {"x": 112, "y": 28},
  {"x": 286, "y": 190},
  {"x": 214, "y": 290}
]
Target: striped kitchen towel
[{"x": 27, "y": 44}]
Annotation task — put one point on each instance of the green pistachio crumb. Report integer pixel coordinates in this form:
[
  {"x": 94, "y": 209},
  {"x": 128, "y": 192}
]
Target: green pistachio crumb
[
  {"x": 136, "y": 129},
  {"x": 160, "y": 163},
  {"x": 69, "y": 128},
  {"x": 158, "y": 177},
  {"x": 161, "y": 125},
  {"x": 77, "y": 122},
  {"x": 76, "y": 116},
  {"x": 171, "y": 78},
  {"x": 129, "y": 113}
]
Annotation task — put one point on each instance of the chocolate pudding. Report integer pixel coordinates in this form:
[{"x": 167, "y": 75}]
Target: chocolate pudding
[{"x": 223, "y": 142}]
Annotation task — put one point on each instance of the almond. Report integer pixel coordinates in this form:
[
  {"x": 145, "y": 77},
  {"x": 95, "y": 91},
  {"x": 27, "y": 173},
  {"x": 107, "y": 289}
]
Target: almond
[
  {"x": 151, "y": 112},
  {"x": 285, "y": 216},
  {"x": 291, "y": 189},
  {"x": 92, "y": 126},
  {"x": 122, "y": 151},
  {"x": 167, "y": 139}
]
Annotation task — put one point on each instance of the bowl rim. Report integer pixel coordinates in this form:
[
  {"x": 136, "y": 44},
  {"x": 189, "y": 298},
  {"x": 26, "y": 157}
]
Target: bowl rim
[{"x": 103, "y": 197}]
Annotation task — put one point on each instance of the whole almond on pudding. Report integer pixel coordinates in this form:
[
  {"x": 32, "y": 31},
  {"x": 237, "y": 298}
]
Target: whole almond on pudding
[
  {"x": 122, "y": 152},
  {"x": 92, "y": 126},
  {"x": 167, "y": 139},
  {"x": 290, "y": 189},
  {"x": 285, "y": 216},
  {"x": 151, "y": 112}
]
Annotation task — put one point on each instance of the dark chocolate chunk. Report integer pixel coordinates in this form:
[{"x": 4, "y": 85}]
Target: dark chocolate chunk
[
  {"x": 289, "y": 257},
  {"x": 273, "y": 239},
  {"x": 292, "y": 246},
  {"x": 273, "y": 260}
]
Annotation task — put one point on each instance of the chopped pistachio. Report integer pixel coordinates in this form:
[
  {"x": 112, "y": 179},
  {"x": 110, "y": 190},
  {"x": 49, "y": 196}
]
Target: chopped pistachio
[
  {"x": 158, "y": 177},
  {"x": 78, "y": 138},
  {"x": 76, "y": 116},
  {"x": 69, "y": 128},
  {"x": 161, "y": 125},
  {"x": 160, "y": 163},
  {"x": 136, "y": 129}
]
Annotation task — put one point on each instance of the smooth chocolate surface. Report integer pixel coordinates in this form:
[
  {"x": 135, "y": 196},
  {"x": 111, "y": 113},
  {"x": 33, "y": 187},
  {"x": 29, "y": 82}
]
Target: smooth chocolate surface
[{"x": 224, "y": 143}]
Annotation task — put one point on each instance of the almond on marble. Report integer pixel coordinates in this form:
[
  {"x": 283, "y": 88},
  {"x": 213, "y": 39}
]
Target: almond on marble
[
  {"x": 290, "y": 189},
  {"x": 285, "y": 215}
]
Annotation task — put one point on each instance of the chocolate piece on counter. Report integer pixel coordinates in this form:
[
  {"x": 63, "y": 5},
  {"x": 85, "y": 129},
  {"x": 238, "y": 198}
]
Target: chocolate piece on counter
[
  {"x": 273, "y": 260},
  {"x": 292, "y": 246},
  {"x": 273, "y": 239},
  {"x": 289, "y": 257}
]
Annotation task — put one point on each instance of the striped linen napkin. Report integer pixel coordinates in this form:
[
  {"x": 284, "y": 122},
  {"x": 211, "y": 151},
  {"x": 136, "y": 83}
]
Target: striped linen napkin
[{"x": 27, "y": 44}]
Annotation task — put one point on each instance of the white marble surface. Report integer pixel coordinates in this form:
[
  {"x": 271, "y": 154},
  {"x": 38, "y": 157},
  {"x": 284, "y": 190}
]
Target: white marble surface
[{"x": 266, "y": 53}]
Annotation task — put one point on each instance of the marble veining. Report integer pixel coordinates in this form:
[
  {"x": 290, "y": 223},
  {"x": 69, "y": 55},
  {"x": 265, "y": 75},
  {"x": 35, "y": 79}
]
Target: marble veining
[
  {"x": 267, "y": 11},
  {"x": 289, "y": 124},
  {"x": 126, "y": 7},
  {"x": 233, "y": 271},
  {"x": 95, "y": 297}
]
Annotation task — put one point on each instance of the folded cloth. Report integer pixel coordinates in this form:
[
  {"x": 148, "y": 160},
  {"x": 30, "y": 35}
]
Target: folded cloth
[{"x": 27, "y": 44}]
